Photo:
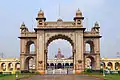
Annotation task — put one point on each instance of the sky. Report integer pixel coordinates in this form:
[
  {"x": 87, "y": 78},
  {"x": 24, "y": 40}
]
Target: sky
[{"x": 14, "y": 12}]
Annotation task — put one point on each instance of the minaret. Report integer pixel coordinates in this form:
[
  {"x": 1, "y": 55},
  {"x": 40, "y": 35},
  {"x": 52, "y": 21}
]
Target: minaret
[
  {"x": 78, "y": 18},
  {"x": 40, "y": 18}
]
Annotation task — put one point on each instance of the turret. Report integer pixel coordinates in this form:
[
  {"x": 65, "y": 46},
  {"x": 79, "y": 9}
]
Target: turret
[
  {"x": 78, "y": 18},
  {"x": 40, "y": 18},
  {"x": 96, "y": 27},
  {"x": 23, "y": 28}
]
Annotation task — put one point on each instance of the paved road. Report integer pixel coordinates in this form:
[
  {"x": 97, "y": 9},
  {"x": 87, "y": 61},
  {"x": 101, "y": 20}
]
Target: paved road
[{"x": 62, "y": 77}]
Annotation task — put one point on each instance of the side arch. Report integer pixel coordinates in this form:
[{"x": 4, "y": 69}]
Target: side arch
[
  {"x": 89, "y": 46},
  {"x": 30, "y": 47}
]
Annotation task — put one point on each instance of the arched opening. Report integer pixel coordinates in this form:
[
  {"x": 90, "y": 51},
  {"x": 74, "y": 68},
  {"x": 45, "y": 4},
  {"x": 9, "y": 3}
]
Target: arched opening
[
  {"x": 89, "y": 47},
  {"x": 17, "y": 66},
  {"x": 117, "y": 66},
  {"x": 3, "y": 67},
  {"x": 71, "y": 65},
  {"x": 66, "y": 65},
  {"x": 52, "y": 65},
  {"x": 103, "y": 66},
  {"x": 59, "y": 49},
  {"x": 30, "y": 63},
  {"x": 10, "y": 66},
  {"x": 59, "y": 66},
  {"x": 110, "y": 66},
  {"x": 30, "y": 47},
  {"x": 90, "y": 63}
]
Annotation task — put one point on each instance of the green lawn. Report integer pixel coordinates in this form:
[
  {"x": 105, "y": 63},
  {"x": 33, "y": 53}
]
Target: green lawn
[
  {"x": 13, "y": 77},
  {"x": 112, "y": 77},
  {"x": 106, "y": 77}
]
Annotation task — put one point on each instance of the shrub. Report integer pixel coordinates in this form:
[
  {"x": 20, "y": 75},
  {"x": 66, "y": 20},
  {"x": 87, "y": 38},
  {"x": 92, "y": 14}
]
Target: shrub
[
  {"x": 101, "y": 70},
  {"x": 88, "y": 70},
  {"x": 37, "y": 73},
  {"x": 118, "y": 72},
  {"x": 25, "y": 71},
  {"x": 17, "y": 72}
]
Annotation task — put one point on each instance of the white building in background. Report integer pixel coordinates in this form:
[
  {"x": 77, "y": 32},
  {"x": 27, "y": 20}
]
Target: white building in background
[{"x": 60, "y": 62}]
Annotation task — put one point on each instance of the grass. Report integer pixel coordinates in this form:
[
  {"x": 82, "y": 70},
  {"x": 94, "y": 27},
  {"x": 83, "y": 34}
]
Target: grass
[
  {"x": 106, "y": 77},
  {"x": 13, "y": 77},
  {"x": 112, "y": 77}
]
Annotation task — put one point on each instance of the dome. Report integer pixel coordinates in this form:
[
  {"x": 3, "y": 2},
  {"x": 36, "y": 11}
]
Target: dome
[
  {"x": 22, "y": 25},
  {"x": 40, "y": 14},
  {"x": 78, "y": 13},
  {"x": 96, "y": 24},
  {"x": 59, "y": 55}
]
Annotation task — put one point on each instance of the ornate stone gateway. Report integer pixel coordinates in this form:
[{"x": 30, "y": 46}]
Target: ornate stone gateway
[{"x": 46, "y": 32}]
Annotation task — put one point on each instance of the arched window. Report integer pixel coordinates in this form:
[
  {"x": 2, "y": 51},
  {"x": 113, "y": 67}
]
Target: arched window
[
  {"x": 3, "y": 66},
  {"x": 89, "y": 46},
  {"x": 17, "y": 66},
  {"x": 87, "y": 49},
  {"x": 103, "y": 66},
  {"x": 117, "y": 66},
  {"x": 110, "y": 66},
  {"x": 10, "y": 66},
  {"x": 30, "y": 47}
]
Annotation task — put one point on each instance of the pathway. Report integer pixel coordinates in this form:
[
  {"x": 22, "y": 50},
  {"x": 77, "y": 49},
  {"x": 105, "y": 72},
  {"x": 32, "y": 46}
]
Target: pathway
[{"x": 61, "y": 77}]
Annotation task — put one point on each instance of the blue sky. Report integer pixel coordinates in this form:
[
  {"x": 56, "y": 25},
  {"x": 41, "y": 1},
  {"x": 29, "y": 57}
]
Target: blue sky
[{"x": 14, "y": 12}]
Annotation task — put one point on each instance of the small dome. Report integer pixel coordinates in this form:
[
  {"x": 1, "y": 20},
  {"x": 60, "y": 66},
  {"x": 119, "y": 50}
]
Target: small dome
[
  {"x": 22, "y": 25},
  {"x": 40, "y": 14},
  {"x": 96, "y": 24},
  {"x": 78, "y": 13},
  {"x": 59, "y": 19}
]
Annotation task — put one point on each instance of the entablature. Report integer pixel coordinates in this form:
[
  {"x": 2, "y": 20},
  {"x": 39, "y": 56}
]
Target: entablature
[
  {"x": 91, "y": 35},
  {"x": 28, "y": 35}
]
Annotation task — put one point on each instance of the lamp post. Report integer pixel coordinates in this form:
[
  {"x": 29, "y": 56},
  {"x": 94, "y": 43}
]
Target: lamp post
[{"x": 16, "y": 76}]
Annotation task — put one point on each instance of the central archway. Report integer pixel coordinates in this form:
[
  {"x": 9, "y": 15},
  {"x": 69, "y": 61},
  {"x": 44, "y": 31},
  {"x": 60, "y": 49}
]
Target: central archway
[{"x": 60, "y": 62}]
